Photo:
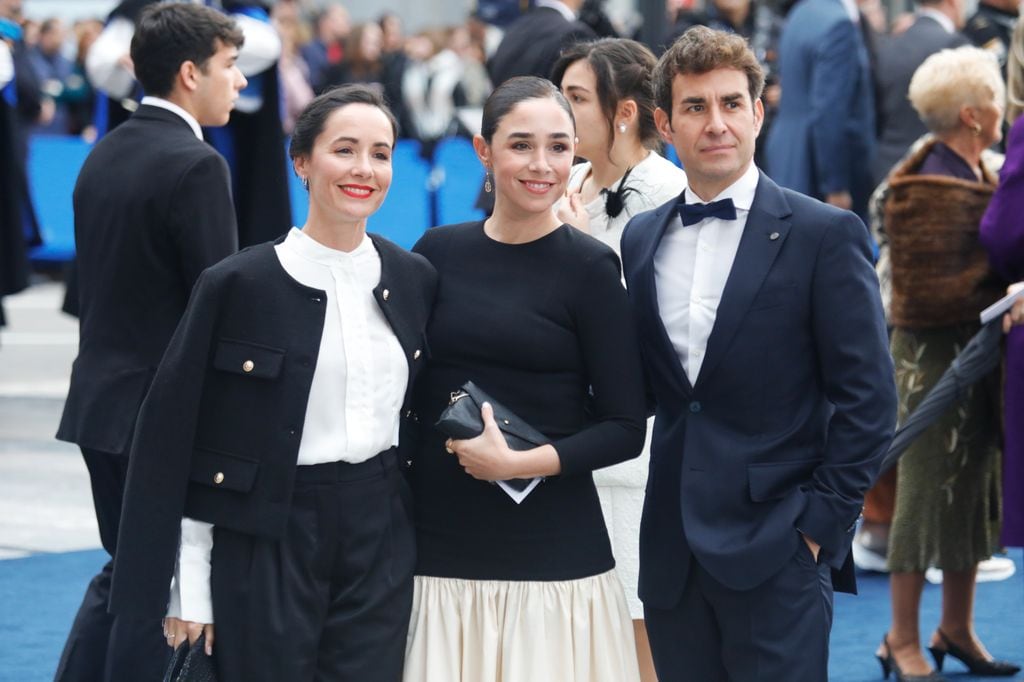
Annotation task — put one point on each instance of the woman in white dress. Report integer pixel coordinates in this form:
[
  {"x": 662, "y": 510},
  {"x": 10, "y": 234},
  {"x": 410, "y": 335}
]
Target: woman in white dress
[{"x": 608, "y": 84}]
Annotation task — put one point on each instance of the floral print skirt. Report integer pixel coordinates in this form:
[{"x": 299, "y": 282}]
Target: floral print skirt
[{"x": 948, "y": 504}]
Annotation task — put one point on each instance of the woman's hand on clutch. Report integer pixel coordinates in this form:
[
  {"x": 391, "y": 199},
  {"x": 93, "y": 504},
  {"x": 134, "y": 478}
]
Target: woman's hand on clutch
[
  {"x": 178, "y": 631},
  {"x": 486, "y": 457},
  {"x": 489, "y": 458}
]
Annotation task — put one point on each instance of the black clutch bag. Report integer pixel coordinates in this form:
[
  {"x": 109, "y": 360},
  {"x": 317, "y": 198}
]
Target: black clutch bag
[
  {"x": 461, "y": 420},
  {"x": 191, "y": 664}
]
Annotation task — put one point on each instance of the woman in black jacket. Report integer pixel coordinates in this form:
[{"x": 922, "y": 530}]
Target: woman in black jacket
[{"x": 264, "y": 470}]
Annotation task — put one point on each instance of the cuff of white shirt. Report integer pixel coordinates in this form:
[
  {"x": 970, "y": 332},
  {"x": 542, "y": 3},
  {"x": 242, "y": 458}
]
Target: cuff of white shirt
[{"x": 190, "y": 589}]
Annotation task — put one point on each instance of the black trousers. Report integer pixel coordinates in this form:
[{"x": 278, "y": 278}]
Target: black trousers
[
  {"x": 777, "y": 631},
  {"x": 102, "y": 647},
  {"x": 331, "y": 600}
]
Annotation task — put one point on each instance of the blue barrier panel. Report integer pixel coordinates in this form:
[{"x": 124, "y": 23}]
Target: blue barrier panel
[
  {"x": 405, "y": 214},
  {"x": 460, "y": 177},
  {"x": 53, "y": 165}
]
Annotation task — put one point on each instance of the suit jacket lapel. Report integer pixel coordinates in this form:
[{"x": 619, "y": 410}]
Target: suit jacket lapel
[
  {"x": 648, "y": 294},
  {"x": 763, "y": 237}
]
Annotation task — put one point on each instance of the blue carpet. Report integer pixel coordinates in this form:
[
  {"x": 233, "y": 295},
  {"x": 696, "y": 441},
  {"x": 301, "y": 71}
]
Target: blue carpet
[{"x": 40, "y": 594}]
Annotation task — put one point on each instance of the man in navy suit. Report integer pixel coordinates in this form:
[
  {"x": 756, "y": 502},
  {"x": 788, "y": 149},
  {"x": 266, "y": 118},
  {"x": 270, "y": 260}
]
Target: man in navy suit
[
  {"x": 822, "y": 141},
  {"x": 765, "y": 346}
]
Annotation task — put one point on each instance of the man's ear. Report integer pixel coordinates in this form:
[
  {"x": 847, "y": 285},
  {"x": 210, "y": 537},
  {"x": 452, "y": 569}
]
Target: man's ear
[
  {"x": 188, "y": 76},
  {"x": 663, "y": 122},
  {"x": 758, "y": 116}
]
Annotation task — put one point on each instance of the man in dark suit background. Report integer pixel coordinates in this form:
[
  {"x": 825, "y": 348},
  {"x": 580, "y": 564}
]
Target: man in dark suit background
[
  {"x": 822, "y": 141},
  {"x": 935, "y": 28},
  {"x": 764, "y": 341},
  {"x": 532, "y": 42},
  {"x": 153, "y": 209}
]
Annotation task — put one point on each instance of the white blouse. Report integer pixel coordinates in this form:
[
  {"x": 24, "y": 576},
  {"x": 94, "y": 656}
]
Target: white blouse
[{"x": 360, "y": 366}]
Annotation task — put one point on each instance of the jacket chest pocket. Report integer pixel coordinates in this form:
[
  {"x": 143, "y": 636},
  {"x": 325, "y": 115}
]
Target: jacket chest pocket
[{"x": 248, "y": 359}]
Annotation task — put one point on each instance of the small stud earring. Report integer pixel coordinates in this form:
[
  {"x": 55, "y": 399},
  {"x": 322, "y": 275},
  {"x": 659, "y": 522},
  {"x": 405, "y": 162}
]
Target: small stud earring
[
  {"x": 488, "y": 187},
  {"x": 622, "y": 127},
  {"x": 305, "y": 184}
]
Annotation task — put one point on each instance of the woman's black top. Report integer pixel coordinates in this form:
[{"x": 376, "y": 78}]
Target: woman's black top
[{"x": 545, "y": 328}]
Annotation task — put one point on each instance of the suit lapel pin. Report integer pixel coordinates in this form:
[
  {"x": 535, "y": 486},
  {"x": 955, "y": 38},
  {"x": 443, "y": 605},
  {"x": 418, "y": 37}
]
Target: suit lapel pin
[{"x": 773, "y": 236}]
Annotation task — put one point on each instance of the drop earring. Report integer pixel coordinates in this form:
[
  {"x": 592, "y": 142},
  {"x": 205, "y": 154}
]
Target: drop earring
[
  {"x": 488, "y": 187},
  {"x": 305, "y": 184}
]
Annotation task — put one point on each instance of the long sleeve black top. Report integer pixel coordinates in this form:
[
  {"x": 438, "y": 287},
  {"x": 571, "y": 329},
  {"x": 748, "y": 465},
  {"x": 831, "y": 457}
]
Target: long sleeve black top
[{"x": 545, "y": 328}]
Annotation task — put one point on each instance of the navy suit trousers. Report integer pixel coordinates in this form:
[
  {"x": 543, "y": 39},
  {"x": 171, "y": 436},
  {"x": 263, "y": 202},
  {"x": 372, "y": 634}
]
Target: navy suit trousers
[{"x": 776, "y": 631}]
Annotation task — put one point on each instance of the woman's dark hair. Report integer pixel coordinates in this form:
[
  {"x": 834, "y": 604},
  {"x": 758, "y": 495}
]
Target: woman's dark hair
[
  {"x": 311, "y": 121},
  {"x": 623, "y": 69},
  {"x": 170, "y": 34},
  {"x": 513, "y": 91}
]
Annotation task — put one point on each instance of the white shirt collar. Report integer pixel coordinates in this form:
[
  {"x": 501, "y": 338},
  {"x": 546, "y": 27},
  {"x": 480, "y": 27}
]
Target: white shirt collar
[
  {"x": 305, "y": 246},
  {"x": 562, "y": 8},
  {"x": 172, "y": 107},
  {"x": 851, "y": 9},
  {"x": 944, "y": 21},
  {"x": 741, "y": 192}
]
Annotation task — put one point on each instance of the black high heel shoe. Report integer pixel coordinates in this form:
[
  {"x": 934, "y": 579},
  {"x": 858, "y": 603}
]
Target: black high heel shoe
[
  {"x": 888, "y": 663},
  {"x": 977, "y": 666}
]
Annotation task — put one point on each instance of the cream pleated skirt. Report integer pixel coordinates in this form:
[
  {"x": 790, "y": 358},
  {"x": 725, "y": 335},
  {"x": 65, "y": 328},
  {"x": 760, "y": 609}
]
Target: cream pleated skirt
[{"x": 520, "y": 631}]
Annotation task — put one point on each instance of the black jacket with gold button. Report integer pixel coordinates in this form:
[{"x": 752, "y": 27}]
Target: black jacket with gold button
[{"x": 218, "y": 435}]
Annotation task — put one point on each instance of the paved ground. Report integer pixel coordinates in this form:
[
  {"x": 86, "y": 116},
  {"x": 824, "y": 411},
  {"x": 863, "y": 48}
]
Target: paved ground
[{"x": 45, "y": 504}]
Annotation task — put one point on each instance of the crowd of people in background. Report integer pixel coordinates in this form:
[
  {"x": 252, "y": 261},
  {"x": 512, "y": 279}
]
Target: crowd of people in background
[
  {"x": 431, "y": 75},
  {"x": 895, "y": 116}
]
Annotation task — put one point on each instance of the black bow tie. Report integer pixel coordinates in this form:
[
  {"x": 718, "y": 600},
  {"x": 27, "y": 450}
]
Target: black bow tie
[{"x": 694, "y": 213}]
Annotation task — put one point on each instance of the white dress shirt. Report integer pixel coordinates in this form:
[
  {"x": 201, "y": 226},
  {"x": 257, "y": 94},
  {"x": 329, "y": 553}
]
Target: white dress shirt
[
  {"x": 691, "y": 267},
  {"x": 174, "y": 108},
  {"x": 360, "y": 366}
]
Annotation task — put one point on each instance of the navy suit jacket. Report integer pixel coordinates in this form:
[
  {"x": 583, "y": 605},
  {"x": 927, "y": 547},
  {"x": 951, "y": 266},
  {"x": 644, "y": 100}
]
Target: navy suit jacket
[
  {"x": 792, "y": 411},
  {"x": 822, "y": 140}
]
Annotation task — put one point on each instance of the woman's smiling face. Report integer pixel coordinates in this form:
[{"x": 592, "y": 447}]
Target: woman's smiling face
[
  {"x": 530, "y": 155},
  {"x": 349, "y": 167}
]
